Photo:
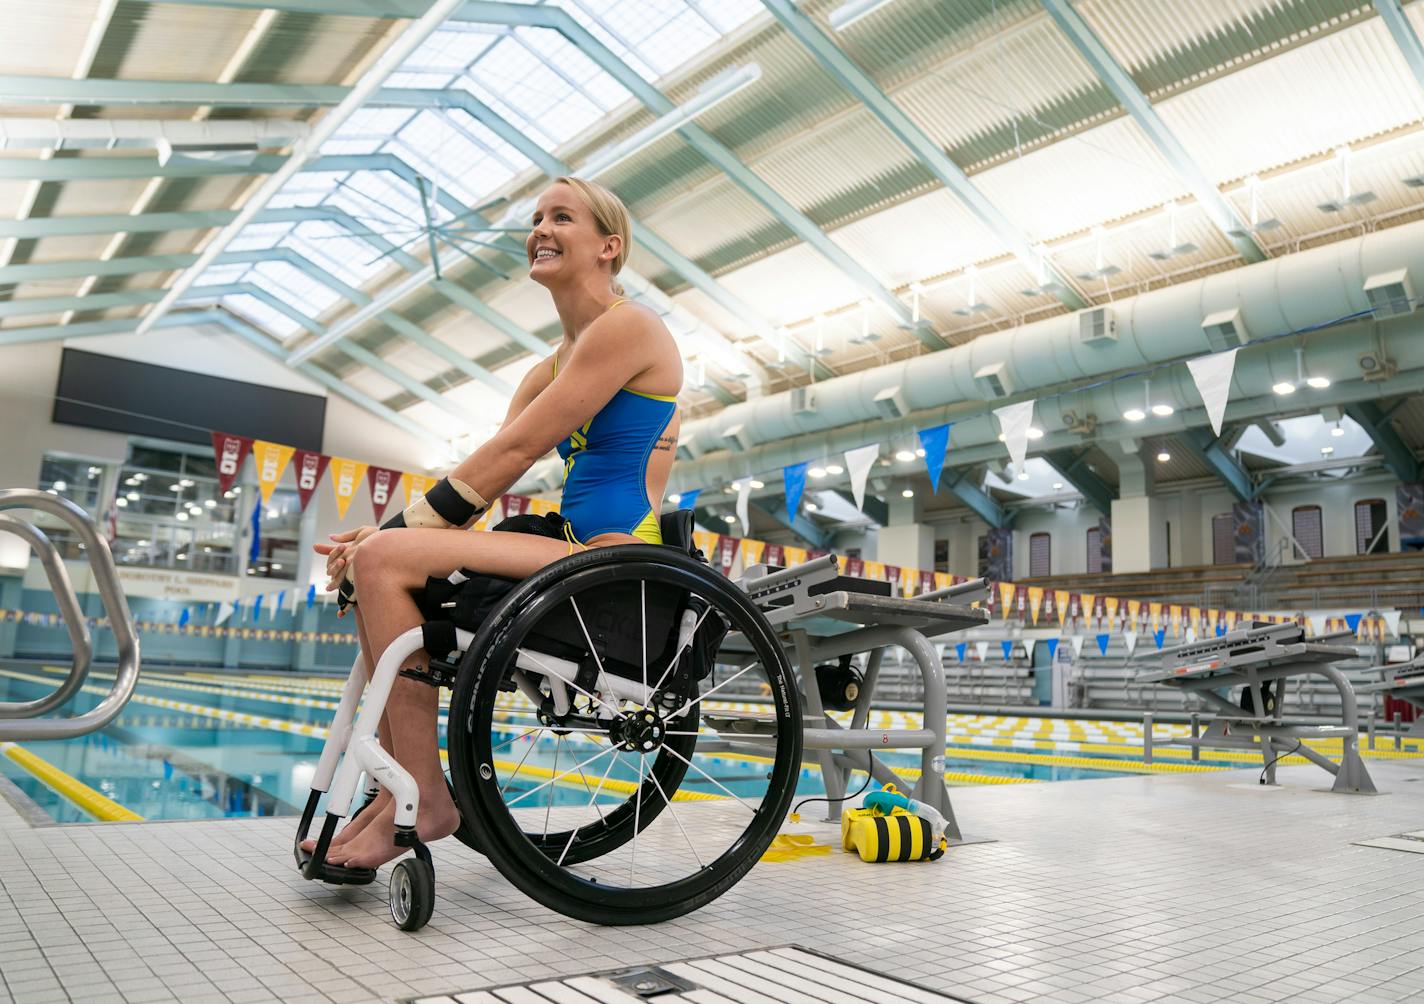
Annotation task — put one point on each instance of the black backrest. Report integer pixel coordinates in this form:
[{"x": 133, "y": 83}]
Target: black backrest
[{"x": 677, "y": 530}]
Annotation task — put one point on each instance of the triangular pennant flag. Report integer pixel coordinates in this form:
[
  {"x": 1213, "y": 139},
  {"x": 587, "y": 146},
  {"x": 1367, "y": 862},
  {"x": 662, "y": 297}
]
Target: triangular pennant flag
[
  {"x": 752, "y": 550},
  {"x": 1008, "y": 648},
  {"x": 1134, "y": 607},
  {"x": 1191, "y": 634},
  {"x": 1014, "y": 423},
  {"x": 183, "y": 617},
  {"x": 1212, "y": 375},
  {"x": 271, "y": 460},
  {"x": 1035, "y": 600},
  {"x": 1158, "y": 636},
  {"x": 311, "y": 595},
  {"x": 281, "y": 596},
  {"x": 1006, "y": 593},
  {"x": 382, "y": 481},
  {"x": 858, "y": 463},
  {"x": 1129, "y": 638},
  {"x": 744, "y": 500},
  {"x": 225, "y": 610},
  {"x": 981, "y": 647},
  {"x": 229, "y": 452},
  {"x": 793, "y": 478},
  {"x": 1352, "y": 621},
  {"x": 960, "y": 649},
  {"x": 256, "y": 549},
  {"x": 1391, "y": 620},
  {"x": 346, "y": 475},
  {"x": 257, "y": 607},
  {"x": 1077, "y": 642},
  {"x": 935, "y": 442},
  {"x": 688, "y": 500},
  {"x": 1110, "y": 604},
  {"x": 414, "y": 486},
  {"x": 309, "y": 468},
  {"x": 1060, "y": 604},
  {"x": 1103, "y": 640},
  {"x": 1317, "y": 624},
  {"x": 1052, "y": 644},
  {"x": 1088, "y": 605}
]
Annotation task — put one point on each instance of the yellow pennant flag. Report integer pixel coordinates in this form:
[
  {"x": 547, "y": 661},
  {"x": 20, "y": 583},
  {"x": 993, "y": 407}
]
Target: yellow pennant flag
[
  {"x": 943, "y": 580},
  {"x": 1060, "y": 604},
  {"x": 1213, "y": 617},
  {"x": 1035, "y": 600},
  {"x": 1134, "y": 607},
  {"x": 706, "y": 542},
  {"x": 1110, "y": 605},
  {"x": 542, "y": 507},
  {"x": 1194, "y": 618},
  {"x": 270, "y": 459},
  {"x": 415, "y": 486},
  {"x": 346, "y": 477},
  {"x": 1155, "y": 611},
  {"x": 752, "y": 551},
  {"x": 1087, "y": 601},
  {"x": 874, "y": 570},
  {"x": 793, "y": 555},
  {"x": 1006, "y": 595},
  {"x": 1175, "y": 613}
]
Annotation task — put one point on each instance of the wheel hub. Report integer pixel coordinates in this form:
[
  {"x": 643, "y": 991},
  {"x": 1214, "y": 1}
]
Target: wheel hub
[{"x": 641, "y": 731}]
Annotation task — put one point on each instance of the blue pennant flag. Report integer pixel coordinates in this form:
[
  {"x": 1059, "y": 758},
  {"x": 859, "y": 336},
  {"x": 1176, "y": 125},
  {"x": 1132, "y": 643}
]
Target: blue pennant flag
[
  {"x": 1008, "y": 647},
  {"x": 794, "y": 476},
  {"x": 183, "y": 617},
  {"x": 688, "y": 500},
  {"x": 1158, "y": 635},
  {"x": 311, "y": 595},
  {"x": 1052, "y": 644},
  {"x": 1220, "y": 629},
  {"x": 1103, "y": 644},
  {"x": 1353, "y": 622},
  {"x": 256, "y": 531},
  {"x": 960, "y": 649},
  {"x": 257, "y": 608},
  {"x": 935, "y": 442}
]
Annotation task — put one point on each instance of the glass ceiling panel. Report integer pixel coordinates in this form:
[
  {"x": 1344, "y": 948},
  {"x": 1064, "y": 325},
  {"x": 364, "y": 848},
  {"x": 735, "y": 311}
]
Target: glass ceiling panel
[
  {"x": 334, "y": 248},
  {"x": 273, "y": 321},
  {"x": 296, "y": 287}
]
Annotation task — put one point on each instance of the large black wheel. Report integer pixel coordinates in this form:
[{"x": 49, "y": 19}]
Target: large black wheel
[{"x": 603, "y": 808}]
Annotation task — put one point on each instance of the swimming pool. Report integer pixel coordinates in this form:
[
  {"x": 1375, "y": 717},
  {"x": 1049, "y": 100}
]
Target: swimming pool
[{"x": 206, "y": 745}]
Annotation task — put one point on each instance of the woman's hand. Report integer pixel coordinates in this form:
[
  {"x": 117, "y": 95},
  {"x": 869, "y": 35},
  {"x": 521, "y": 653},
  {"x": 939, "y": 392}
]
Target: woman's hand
[{"x": 341, "y": 553}]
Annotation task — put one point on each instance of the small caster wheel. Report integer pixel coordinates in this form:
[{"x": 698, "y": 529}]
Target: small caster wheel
[{"x": 412, "y": 893}]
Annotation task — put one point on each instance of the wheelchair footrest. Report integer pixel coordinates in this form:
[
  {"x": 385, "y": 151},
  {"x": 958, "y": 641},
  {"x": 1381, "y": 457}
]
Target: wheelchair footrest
[
  {"x": 337, "y": 874},
  {"x": 437, "y": 674}
]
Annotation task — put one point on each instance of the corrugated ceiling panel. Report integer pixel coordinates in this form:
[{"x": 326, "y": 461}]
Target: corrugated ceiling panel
[
  {"x": 707, "y": 219},
  {"x": 790, "y": 285},
  {"x": 171, "y": 41},
  {"x": 46, "y": 39},
  {"x": 94, "y": 197}
]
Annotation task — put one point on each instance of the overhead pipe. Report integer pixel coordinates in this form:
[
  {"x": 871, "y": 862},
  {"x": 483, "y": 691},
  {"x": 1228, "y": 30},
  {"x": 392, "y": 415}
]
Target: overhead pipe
[
  {"x": 1292, "y": 293},
  {"x": 108, "y": 134}
]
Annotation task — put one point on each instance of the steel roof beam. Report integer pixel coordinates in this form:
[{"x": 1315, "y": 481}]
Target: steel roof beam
[
  {"x": 333, "y": 8},
  {"x": 874, "y": 507},
  {"x": 801, "y": 526},
  {"x": 980, "y": 502},
  {"x": 18, "y": 89},
  {"x": 1120, "y": 83},
  {"x": 930, "y": 154},
  {"x": 1073, "y": 468},
  {"x": 1405, "y": 37},
  {"x": 1398, "y": 457},
  {"x": 556, "y": 19},
  {"x": 1207, "y": 448}
]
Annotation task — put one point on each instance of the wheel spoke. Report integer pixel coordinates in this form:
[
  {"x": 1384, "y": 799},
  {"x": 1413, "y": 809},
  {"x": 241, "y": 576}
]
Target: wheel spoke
[
  {"x": 709, "y": 777},
  {"x": 548, "y": 807},
  {"x": 667, "y": 802},
  {"x": 703, "y": 697},
  {"x": 597, "y": 660},
  {"x": 593, "y": 800},
  {"x": 520, "y": 766},
  {"x": 585, "y": 693},
  {"x": 553, "y": 780},
  {"x": 637, "y": 811},
  {"x": 643, "y": 610},
  {"x": 537, "y": 728},
  {"x": 678, "y": 654}
]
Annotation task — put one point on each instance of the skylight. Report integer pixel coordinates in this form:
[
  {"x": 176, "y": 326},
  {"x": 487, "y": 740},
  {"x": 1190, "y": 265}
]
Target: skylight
[{"x": 1305, "y": 437}]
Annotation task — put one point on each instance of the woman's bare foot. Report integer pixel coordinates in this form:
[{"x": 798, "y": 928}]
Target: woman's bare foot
[
  {"x": 355, "y": 826},
  {"x": 375, "y": 845}
]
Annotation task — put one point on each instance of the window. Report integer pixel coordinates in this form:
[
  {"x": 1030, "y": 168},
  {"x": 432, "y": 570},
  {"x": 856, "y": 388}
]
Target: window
[
  {"x": 1371, "y": 536},
  {"x": 983, "y": 553},
  {"x": 941, "y": 556},
  {"x": 1095, "y": 551},
  {"x": 1039, "y": 554},
  {"x": 1223, "y": 539},
  {"x": 1305, "y": 528}
]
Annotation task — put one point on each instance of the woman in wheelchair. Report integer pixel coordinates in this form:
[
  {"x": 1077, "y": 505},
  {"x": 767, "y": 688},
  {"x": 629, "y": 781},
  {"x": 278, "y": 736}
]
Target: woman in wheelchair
[{"x": 606, "y": 400}]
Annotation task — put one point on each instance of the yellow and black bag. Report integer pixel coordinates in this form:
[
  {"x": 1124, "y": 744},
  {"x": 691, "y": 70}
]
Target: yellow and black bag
[{"x": 900, "y": 836}]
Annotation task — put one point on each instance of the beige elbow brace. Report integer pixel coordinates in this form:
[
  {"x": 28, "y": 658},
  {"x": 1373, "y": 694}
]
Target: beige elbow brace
[{"x": 449, "y": 503}]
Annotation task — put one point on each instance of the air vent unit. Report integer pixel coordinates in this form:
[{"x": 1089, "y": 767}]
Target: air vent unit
[
  {"x": 993, "y": 381},
  {"x": 1376, "y": 367},
  {"x": 1391, "y": 293},
  {"x": 1224, "y": 330},
  {"x": 1097, "y": 326},
  {"x": 738, "y": 437},
  {"x": 890, "y": 403},
  {"x": 803, "y": 400}
]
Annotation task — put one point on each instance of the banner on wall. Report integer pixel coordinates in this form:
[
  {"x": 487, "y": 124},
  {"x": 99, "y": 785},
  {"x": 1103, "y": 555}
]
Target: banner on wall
[
  {"x": 309, "y": 467},
  {"x": 346, "y": 475},
  {"x": 382, "y": 481},
  {"x": 229, "y": 452},
  {"x": 271, "y": 460}
]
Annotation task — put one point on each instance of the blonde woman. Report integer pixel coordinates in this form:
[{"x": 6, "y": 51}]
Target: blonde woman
[{"x": 606, "y": 400}]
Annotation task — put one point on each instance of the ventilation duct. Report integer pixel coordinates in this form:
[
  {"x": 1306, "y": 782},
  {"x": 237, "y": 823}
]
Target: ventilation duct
[
  {"x": 1097, "y": 326},
  {"x": 1224, "y": 330},
  {"x": 993, "y": 381},
  {"x": 1391, "y": 293}
]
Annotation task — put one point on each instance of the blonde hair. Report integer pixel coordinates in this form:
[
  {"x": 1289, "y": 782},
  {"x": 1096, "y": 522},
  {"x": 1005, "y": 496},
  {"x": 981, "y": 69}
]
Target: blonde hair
[{"x": 611, "y": 216}]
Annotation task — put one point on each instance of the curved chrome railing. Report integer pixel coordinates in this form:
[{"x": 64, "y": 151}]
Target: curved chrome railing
[{"x": 106, "y": 579}]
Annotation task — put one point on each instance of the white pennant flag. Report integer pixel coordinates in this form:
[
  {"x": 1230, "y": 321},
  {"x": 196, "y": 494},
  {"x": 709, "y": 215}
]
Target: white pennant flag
[
  {"x": 858, "y": 463},
  {"x": 1029, "y": 645},
  {"x": 1391, "y": 620},
  {"x": 1317, "y": 625},
  {"x": 1129, "y": 638},
  {"x": 744, "y": 494},
  {"x": 1077, "y": 641},
  {"x": 224, "y": 612},
  {"x": 1191, "y": 634},
  {"x": 281, "y": 598},
  {"x": 982, "y": 647},
  {"x": 1213, "y": 379},
  {"x": 1014, "y": 422}
]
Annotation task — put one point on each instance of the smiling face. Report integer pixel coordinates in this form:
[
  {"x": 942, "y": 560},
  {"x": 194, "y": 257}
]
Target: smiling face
[{"x": 565, "y": 242}]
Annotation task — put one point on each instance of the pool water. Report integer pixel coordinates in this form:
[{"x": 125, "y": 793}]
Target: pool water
[{"x": 200, "y": 747}]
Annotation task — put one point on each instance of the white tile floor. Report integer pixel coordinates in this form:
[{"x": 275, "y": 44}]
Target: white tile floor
[{"x": 1170, "y": 888}]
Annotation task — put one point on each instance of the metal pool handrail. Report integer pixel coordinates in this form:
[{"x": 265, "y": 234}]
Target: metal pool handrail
[{"x": 106, "y": 579}]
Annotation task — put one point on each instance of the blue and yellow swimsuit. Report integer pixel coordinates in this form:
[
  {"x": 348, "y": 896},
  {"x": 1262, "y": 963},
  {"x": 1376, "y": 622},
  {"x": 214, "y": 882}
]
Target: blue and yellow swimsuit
[{"x": 606, "y": 466}]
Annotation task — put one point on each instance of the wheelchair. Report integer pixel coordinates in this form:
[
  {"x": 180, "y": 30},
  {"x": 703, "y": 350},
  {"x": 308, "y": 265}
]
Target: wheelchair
[{"x": 574, "y": 719}]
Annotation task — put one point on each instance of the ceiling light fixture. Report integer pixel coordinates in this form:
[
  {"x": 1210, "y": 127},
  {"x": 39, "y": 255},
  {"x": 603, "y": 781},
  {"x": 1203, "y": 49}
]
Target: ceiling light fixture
[
  {"x": 1257, "y": 225},
  {"x": 972, "y": 305},
  {"x": 1347, "y": 198},
  {"x": 1174, "y": 248},
  {"x": 908, "y": 493},
  {"x": 728, "y": 518},
  {"x": 1325, "y": 451},
  {"x": 1058, "y": 486},
  {"x": 904, "y": 456},
  {"x": 817, "y": 472},
  {"x": 1337, "y": 430},
  {"x": 1034, "y": 432},
  {"x": 834, "y": 469},
  {"x": 1284, "y": 387},
  {"x": 811, "y": 507},
  {"x": 1163, "y": 457},
  {"x": 674, "y": 498},
  {"x": 1023, "y": 475},
  {"x": 1161, "y": 410}
]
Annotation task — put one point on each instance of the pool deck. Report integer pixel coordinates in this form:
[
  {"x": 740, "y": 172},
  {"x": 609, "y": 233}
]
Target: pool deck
[{"x": 1193, "y": 887}]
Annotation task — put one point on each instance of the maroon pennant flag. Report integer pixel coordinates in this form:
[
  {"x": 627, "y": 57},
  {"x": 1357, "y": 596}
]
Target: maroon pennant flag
[
  {"x": 774, "y": 554},
  {"x": 926, "y": 582},
  {"x": 727, "y": 552},
  {"x": 892, "y": 576},
  {"x": 230, "y": 452},
  {"x": 854, "y": 567},
  {"x": 514, "y": 505},
  {"x": 309, "y": 467},
  {"x": 383, "y": 482}
]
